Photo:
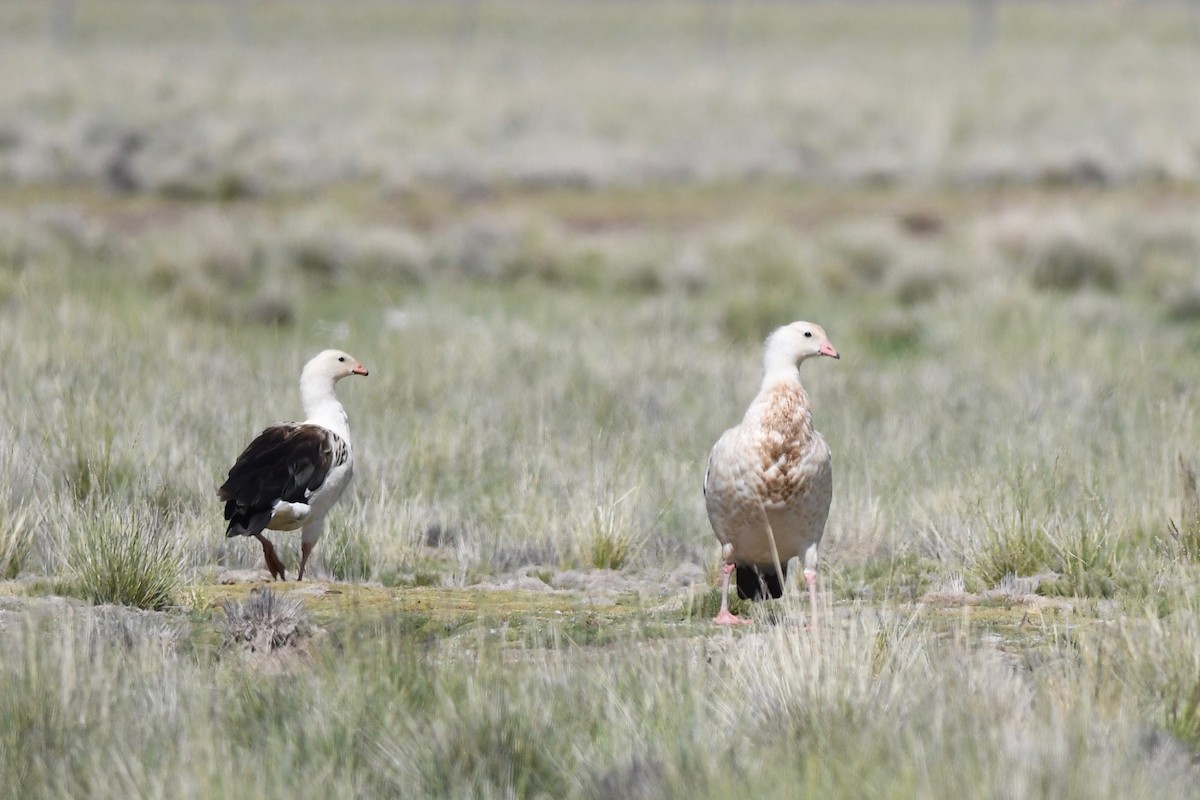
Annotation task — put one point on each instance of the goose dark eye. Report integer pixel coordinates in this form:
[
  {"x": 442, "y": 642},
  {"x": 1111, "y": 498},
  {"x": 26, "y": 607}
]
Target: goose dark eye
[
  {"x": 808, "y": 334},
  {"x": 341, "y": 358}
]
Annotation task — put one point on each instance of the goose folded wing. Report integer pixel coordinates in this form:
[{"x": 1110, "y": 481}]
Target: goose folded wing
[{"x": 284, "y": 462}]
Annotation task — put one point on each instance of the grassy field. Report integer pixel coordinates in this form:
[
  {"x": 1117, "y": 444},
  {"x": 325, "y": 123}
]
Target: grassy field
[{"x": 557, "y": 234}]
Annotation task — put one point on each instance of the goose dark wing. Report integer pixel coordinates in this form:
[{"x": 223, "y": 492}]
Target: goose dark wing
[{"x": 284, "y": 462}]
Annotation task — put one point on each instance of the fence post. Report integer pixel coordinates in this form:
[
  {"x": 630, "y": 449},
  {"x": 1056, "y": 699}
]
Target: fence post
[
  {"x": 62, "y": 20},
  {"x": 239, "y": 20},
  {"x": 983, "y": 25},
  {"x": 468, "y": 20},
  {"x": 716, "y": 24}
]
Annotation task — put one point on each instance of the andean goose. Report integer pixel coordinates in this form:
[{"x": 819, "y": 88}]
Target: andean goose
[
  {"x": 769, "y": 479},
  {"x": 292, "y": 473}
]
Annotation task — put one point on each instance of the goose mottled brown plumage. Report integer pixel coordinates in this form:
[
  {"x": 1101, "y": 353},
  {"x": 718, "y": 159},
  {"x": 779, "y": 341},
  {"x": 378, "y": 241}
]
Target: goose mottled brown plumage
[{"x": 770, "y": 479}]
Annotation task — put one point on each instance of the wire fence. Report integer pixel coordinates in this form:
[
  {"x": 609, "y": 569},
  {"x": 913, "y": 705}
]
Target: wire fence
[{"x": 717, "y": 17}]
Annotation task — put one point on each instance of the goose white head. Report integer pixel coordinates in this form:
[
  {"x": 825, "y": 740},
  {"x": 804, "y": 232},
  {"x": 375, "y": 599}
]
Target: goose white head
[
  {"x": 790, "y": 345},
  {"x": 316, "y": 387},
  {"x": 331, "y": 366}
]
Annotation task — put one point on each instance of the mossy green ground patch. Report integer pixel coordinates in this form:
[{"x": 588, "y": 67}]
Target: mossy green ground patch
[{"x": 554, "y": 620}]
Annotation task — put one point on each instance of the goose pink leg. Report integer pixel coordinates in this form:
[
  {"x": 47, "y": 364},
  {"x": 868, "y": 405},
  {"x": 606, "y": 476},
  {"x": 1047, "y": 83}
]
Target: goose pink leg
[
  {"x": 724, "y": 616},
  {"x": 810, "y": 578}
]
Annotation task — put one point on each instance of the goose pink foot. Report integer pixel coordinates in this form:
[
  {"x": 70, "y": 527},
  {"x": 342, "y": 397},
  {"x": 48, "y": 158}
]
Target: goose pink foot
[{"x": 725, "y": 616}]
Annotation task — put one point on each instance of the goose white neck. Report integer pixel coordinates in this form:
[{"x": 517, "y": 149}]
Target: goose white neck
[
  {"x": 779, "y": 368},
  {"x": 321, "y": 406}
]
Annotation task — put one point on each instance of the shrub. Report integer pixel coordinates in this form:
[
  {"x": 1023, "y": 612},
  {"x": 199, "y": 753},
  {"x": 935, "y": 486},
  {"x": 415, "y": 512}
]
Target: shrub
[
  {"x": 921, "y": 284},
  {"x": 765, "y": 259},
  {"x": 752, "y": 315},
  {"x": 1066, "y": 262},
  {"x": 265, "y": 622},
  {"x": 893, "y": 333},
  {"x": 861, "y": 254},
  {"x": 1182, "y": 301},
  {"x": 389, "y": 254}
]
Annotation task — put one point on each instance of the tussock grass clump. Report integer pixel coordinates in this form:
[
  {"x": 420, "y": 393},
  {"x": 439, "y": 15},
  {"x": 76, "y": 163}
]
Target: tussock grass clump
[
  {"x": 1067, "y": 263},
  {"x": 1187, "y": 531},
  {"x": 192, "y": 184},
  {"x": 705, "y": 602},
  {"x": 23, "y": 244},
  {"x": 893, "y": 332},
  {"x": 1060, "y": 252},
  {"x": 392, "y": 255},
  {"x": 69, "y": 681},
  {"x": 1088, "y": 561},
  {"x": 611, "y": 539},
  {"x": 318, "y": 254},
  {"x": 214, "y": 268},
  {"x": 862, "y": 254},
  {"x": 643, "y": 778},
  {"x": 761, "y": 257},
  {"x": 123, "y": 555},
  {"x": 346, "y": 551},
  {"x": 495, "y": 736},
  {"x": 16, "y": 540},
  {"x": 271, "y": 307},
  {"x": 1075, "y": 554},
  {"x": 1021, "y": 551},
  {"x": 490, "y": 748},
  {"x": 90, "y": 473},
  {"x": 206, "y": 247},
  {"x": 1181, "y": 714},
  {"x": 753, "y": 314},
  {"x": 265, "y": 622},
  {"x": 84, "y": 236},
  {"x": 611, "y": 550},
  {"x": 507, "y": 248},
  {"x": 1182, "y": 301},
  {"x": 922, "y": 284},
  {"x": 902, "y": 577},
  {"x": 1157, "y": 661}
]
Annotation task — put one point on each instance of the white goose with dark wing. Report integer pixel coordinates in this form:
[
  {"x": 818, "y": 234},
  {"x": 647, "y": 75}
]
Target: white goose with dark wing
[{"x": 292, "y": 473}]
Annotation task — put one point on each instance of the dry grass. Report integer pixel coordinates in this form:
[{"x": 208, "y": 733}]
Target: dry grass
[
  {"x": 16, "y": 540},
  {"x": 265, "y": 622},
  {"x": 558, "y": 243}
]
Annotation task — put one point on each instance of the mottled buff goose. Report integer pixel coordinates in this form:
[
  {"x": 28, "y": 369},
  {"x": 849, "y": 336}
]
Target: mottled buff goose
[
  {"x": 769, "y": 479},
  {"x": 292, "y": 473}
]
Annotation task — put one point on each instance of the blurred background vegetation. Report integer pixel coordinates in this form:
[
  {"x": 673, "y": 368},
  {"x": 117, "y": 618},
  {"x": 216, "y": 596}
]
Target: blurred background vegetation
[{"x": 557, "y": 233}]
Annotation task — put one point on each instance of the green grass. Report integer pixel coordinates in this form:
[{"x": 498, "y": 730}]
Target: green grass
[
  {"x": 124, "y": 556},
  {"x": 16, "y": 541}
]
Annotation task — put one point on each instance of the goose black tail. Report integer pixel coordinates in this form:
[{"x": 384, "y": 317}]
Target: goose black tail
[
  {"x": 759, "y": 583},
  {"x": 246, "y": 522}
]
